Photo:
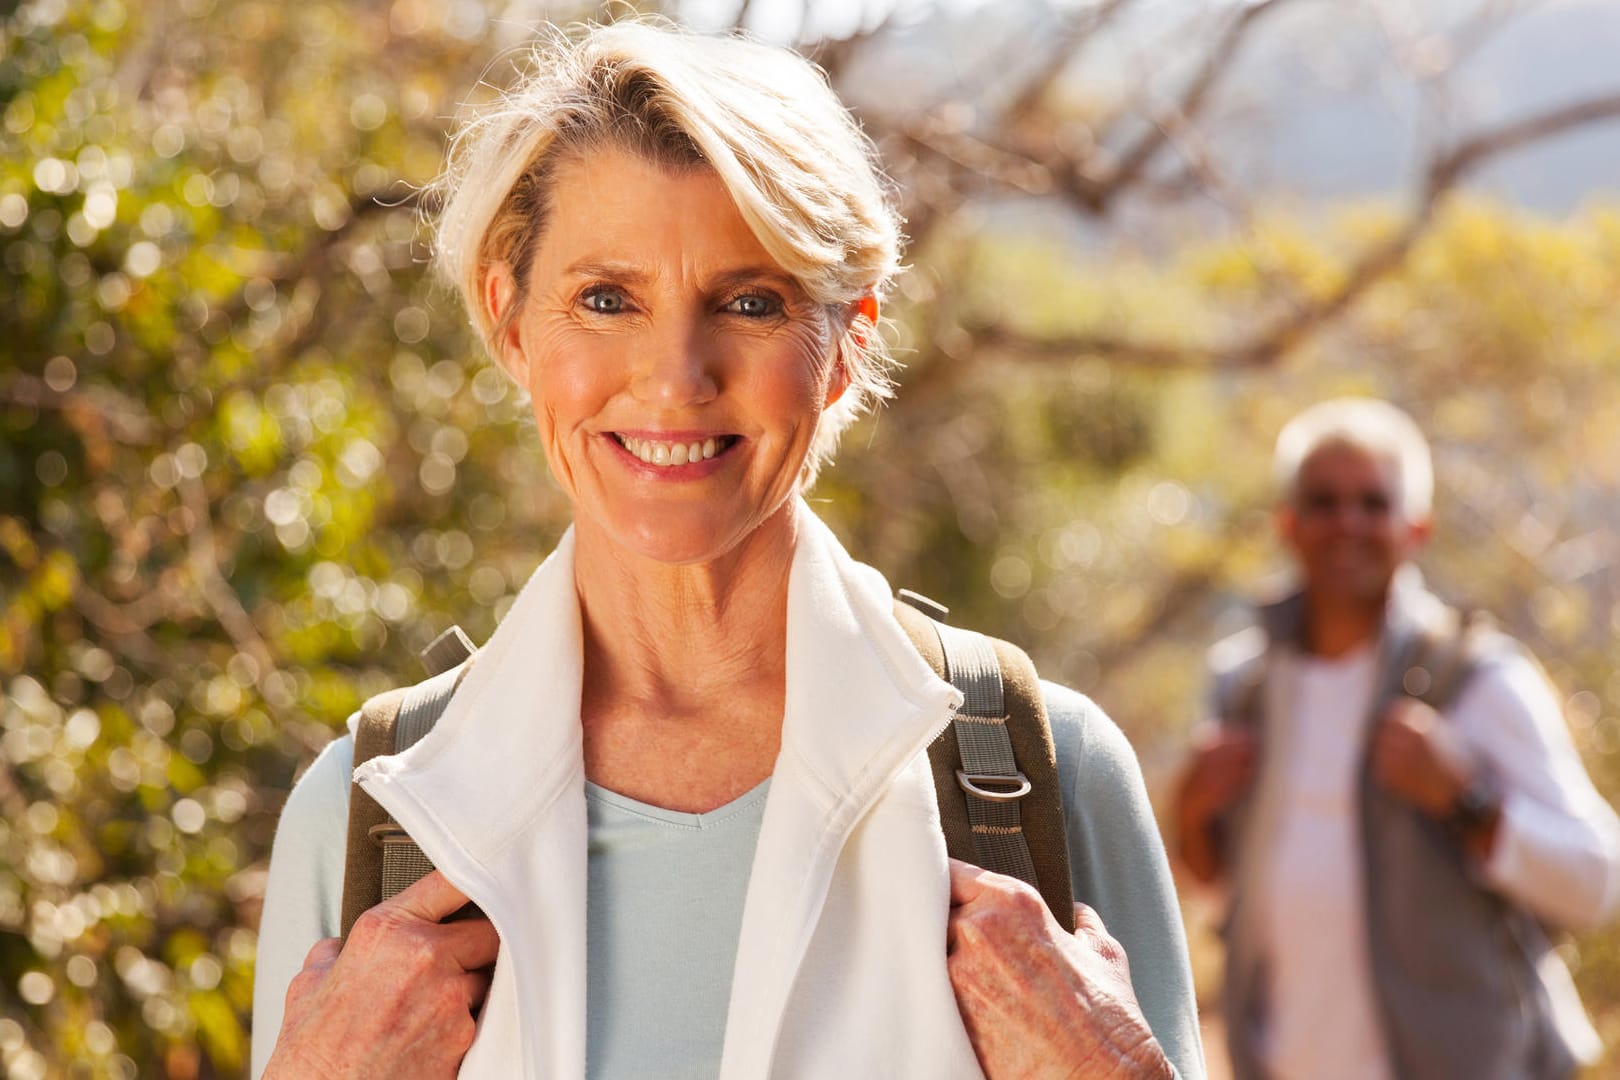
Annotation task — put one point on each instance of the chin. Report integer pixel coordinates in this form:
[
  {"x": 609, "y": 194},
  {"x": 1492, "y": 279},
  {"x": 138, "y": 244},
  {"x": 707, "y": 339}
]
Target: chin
[{"x": 680, "y": 536}]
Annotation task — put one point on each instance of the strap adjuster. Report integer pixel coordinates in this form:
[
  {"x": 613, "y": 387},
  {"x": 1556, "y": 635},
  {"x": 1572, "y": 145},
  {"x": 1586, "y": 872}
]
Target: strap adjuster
[
  {"x": 970, "y": 783},
  {"x": 389, "y": 832}
]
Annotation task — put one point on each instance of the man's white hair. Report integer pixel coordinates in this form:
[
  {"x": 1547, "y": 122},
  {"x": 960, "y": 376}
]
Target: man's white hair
[{"x": 1367, "y": 424}]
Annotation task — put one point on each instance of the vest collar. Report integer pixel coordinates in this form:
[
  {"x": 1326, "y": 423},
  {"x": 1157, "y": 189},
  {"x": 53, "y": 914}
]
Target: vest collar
[{"x": 494, "y": 793}]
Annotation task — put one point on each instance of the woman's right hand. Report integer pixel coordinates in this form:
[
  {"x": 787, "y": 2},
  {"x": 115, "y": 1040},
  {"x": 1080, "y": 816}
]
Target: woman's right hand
[
  {"x": 397, "y": 1000},
  {"x": 1222, "y": 770}
]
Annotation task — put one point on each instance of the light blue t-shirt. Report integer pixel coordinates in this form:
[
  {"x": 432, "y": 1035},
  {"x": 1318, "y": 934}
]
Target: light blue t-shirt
[{"x": 664, "y": 904}]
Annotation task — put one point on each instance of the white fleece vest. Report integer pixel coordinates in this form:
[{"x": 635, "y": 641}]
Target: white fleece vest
[{"x": 841, "y": 959}]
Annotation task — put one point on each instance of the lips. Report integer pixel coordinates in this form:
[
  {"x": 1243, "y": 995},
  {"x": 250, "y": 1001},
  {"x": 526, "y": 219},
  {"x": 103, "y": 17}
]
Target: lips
[{"x": 670, "y": 452}]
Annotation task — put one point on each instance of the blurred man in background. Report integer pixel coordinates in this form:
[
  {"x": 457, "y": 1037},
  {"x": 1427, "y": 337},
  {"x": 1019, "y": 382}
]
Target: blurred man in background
[{"x": 1392, "y": 799}]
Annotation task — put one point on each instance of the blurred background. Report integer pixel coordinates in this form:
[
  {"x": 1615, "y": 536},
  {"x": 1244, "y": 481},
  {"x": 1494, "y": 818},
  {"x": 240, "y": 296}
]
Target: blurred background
[{"x": 251, "y": 458}]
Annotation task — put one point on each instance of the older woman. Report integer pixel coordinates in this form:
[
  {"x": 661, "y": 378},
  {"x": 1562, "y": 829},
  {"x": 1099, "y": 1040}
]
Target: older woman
[{"x": 685, "y": 779}]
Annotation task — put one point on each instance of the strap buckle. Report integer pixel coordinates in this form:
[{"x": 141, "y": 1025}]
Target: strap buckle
[
  {"x": 389, "y": 832},
  {"x": 970, "y": 783}
]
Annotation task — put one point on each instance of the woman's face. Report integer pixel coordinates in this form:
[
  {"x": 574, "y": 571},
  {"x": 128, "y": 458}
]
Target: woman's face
[{"x": 677, "y": 372}]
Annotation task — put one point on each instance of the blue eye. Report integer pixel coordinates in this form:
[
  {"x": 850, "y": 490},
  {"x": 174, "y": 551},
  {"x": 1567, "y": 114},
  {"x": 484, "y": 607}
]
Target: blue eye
[
  {"x": 754, "y": 306},
  {"x": 605, "y": 301}
]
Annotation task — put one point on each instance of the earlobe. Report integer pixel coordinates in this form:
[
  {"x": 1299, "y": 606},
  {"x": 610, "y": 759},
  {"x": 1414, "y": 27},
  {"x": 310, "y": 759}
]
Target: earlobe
[{"x": 837, "y": 381}]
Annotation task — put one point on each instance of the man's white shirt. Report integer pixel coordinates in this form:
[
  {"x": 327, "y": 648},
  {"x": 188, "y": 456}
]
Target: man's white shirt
[{"x": 1557, "y": 854}]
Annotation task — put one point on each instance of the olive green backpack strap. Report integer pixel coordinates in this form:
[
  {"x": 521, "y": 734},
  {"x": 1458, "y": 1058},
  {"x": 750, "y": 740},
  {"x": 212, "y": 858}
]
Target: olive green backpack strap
[
  {"x": 995, "y": 768},
  {"x": 382, "y": 859}
]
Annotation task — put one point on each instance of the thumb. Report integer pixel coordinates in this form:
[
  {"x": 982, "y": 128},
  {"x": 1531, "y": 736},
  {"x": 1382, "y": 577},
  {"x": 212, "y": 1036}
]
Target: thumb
[{"x": 429, "y": 899}]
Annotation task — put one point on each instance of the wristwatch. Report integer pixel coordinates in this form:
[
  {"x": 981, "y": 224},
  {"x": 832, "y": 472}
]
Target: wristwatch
[{"x": 1479, "y": 804}]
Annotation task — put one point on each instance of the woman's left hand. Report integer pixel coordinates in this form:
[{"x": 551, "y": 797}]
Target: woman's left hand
[{"x": 1040, "y": 1003}]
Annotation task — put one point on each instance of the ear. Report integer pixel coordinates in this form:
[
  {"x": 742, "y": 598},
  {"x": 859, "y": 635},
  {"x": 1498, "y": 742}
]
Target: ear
[
  {"x": 498, "y": 291},
  {"x": 863, "y": 317},
  {"x": 860, "y": 319},
  {"x": 1418, "y": 534},
  {"x": 1286, "y": 520}
]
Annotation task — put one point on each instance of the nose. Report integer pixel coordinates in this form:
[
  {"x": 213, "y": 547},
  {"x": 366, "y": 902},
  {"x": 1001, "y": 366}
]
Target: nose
[{"x": 675, "y": 371}]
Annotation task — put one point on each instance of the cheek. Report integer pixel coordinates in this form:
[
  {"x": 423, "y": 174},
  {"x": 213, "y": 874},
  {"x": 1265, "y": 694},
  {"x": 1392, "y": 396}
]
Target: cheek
[
  {"x": 791, "y": 383},
  {"x": 569, "y": 377}
]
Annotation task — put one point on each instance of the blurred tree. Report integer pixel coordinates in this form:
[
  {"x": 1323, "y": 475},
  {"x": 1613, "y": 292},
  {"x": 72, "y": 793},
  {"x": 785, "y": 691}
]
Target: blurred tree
[{"x": 250, "y": 459}]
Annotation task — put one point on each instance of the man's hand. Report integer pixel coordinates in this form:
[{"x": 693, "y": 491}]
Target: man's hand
[
  {"x": 397, "y": 1000},
  {"x": 1418, "y": 758},
  {"x": 1221, "y": 771},
  {"x": 1039, "y": 1003}
]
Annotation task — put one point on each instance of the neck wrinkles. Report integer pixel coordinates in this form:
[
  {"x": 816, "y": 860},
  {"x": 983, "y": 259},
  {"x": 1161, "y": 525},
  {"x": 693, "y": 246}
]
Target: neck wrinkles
[{"x": 684, "y": 634}]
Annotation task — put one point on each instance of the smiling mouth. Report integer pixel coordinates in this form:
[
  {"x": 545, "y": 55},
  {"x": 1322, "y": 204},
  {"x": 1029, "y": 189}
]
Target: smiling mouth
[{"x": 671, "y": 453}]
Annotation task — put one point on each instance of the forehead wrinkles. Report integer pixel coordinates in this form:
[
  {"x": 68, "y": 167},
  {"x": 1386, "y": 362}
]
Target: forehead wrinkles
[{"x": 622, "y": 199}]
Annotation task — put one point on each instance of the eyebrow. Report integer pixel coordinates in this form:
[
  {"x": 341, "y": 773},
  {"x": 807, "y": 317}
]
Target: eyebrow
[
  {"x": 744, "y": 274},
  {"x": 616, "y": 271},
  {"x": 633, "y": 275}
]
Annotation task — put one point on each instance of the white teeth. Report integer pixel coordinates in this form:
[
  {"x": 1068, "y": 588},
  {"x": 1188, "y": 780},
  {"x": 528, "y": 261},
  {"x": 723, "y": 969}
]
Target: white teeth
[{"x": 666, "y": 454}]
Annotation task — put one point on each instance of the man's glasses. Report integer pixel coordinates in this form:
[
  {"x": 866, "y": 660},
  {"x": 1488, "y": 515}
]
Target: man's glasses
[{"x": 1323, "y": 503}]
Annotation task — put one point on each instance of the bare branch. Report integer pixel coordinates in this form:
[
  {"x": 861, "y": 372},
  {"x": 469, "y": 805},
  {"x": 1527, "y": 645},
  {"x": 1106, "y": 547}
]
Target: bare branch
[
  {"x": 834, "y": 54},
  {"x": 1476, "y": 150},
  {"x": 222, "y": 600},
  {"x": 124, "y": 624},
  {"x": 1061, "y": 54},
  {"x": 1143, "y": 354},
  {"x": 97, "y": 410},
  {"x": 1442, "y": 175},
  {"x": 1094, "y": 194}
]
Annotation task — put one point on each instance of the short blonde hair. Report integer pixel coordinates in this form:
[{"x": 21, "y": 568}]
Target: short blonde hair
[
  {"x": 1366, "y": 424},
  {"x": 802, "y": 173}
]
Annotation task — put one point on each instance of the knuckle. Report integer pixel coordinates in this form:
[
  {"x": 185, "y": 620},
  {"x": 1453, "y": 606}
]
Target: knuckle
[
  {"x": 1109, "y": 948},
  {"x": 1021, "y": 900},
  {"x": 450, "y": 1001},
  {"x": 371, "y": 928}
]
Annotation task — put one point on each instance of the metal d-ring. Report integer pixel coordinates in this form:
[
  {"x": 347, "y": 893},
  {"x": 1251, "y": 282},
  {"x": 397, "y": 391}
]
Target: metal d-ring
[{"x": 970, "y": 783}]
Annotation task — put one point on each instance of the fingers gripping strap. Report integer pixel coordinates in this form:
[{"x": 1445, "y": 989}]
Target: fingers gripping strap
[
  {"x": 990, "y": 777},
  {"x": 403, "y": 863}
]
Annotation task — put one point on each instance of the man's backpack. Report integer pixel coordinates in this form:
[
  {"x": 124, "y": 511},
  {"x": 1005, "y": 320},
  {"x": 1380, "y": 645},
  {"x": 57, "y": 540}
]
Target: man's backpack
[{"x": 995, "y": 768}]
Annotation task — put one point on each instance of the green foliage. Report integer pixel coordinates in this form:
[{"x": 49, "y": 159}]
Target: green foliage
[{"x": 250, "y": 460}]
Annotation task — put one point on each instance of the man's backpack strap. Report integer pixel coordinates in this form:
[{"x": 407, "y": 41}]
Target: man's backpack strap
[
  {"x": 382, "y": 859},
  {"x": 1445, "y": 656},
  {"x": 995, "y": 771}
]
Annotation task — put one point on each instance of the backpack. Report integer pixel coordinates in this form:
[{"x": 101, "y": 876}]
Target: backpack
[{"x": 995, "y": 767}]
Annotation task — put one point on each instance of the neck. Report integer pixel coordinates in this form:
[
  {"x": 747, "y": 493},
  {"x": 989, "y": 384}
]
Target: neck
[
  {"x": 684, "y": 640},
  {"x": 1336, "y": 625}
]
